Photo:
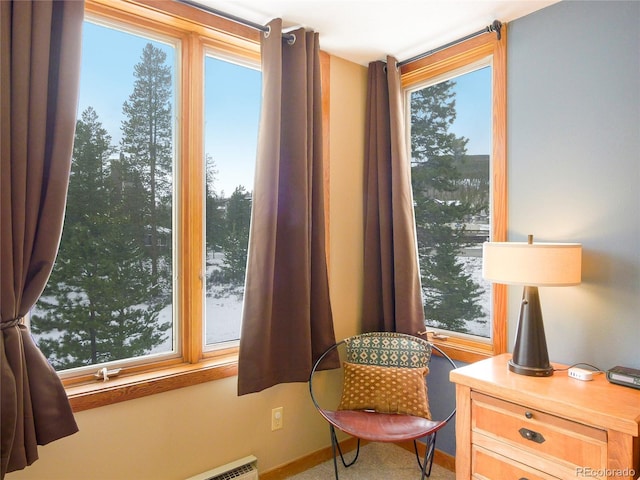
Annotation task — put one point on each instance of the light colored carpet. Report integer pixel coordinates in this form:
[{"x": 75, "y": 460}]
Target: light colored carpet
[{"x": 377, "y": 461}]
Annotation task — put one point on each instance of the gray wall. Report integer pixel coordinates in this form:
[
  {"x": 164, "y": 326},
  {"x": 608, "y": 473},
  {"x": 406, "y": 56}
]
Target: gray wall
[
  {"x": 573, "y": 135},
  {"x": 573, "y": 130}
]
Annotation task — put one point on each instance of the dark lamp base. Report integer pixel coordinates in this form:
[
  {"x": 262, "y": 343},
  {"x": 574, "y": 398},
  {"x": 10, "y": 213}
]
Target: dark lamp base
[
  {"x": 530, "y": 371},
  {"x": 530, "y": 355}
]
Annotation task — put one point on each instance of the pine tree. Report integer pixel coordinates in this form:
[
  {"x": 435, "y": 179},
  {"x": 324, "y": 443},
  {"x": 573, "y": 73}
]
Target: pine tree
[
  {"x": 451, "y": 297},
  {"x": 94, "y": 308},
  {"x": 236, "y": 241},
  {"x": 147, "y": 156},
  {"x": 214, "y": 228}
]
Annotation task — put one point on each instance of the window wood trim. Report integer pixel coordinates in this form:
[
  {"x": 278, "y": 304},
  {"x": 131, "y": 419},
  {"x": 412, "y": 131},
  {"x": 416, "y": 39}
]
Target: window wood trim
[
  {"x": 179, "y": 15},
  {"x": 463, "y": 348},
  {"x": 98, "y": 394},
  {"x": 196, "y": 30}
]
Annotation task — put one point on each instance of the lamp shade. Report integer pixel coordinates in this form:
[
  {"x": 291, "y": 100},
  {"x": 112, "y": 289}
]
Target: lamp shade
[{"x": 535, "y": 264}]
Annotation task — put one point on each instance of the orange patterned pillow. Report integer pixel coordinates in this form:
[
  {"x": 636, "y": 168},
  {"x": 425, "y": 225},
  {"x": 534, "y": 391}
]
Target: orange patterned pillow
[{"x": 385, "y": 389}]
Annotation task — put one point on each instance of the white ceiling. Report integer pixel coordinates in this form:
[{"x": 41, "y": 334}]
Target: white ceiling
[{"x": 366, "y": 30}]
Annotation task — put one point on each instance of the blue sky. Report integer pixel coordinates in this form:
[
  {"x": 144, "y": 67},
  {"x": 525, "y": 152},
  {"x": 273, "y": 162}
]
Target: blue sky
[
  {"x": 106, "y": 77},
  {"x": 232, "y": 113},
  {"x": 473, "y": 110}
]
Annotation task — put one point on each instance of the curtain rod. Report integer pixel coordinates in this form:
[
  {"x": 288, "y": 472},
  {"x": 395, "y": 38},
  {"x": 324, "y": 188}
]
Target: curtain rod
[
  {"x": 290, "y": 37},
  {"x": 496, "y": 26}
]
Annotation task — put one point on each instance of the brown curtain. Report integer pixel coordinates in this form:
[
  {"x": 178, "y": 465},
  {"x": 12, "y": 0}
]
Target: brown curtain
[
  {"x": 287, "y": 321},
  {"x": 40, "y": 69},
  {"x": 392, "y": 293}
]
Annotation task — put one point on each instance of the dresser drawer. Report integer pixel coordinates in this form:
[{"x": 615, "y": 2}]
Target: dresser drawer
[
  {"x": 488, "y": 465},
  {"x": 536, "y": 433}
]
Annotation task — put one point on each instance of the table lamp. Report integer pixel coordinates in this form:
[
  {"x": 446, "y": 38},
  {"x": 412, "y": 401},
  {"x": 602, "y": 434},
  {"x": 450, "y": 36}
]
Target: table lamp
[{"x": 532, "y": 265}]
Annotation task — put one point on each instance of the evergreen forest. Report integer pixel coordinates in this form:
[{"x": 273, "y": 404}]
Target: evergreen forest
[
  {"x": 113, "y": 275},
  {"x": 114, "y": 272},
  {"x": 450, "y": 192}
]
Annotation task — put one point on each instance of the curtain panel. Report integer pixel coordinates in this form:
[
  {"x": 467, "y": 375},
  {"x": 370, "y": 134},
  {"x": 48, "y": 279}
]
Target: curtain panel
[
  {"x": 392, "y": 294},
  {"x": 287, "y": 320},
  {"x": 40, "y": 69}
]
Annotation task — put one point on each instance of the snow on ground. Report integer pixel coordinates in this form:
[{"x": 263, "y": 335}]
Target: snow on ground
[
  {"x": 224, "y": 313},
  {"x": 473, "y": 265},
  {"x": 223, "y": 319}
]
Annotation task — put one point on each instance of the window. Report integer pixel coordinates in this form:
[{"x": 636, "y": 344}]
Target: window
[
  {"x": 110, "y": 297},
  {"x": 232, "y": 109},
  {"x": 157, "y": 221},
  {"x": 456, "y": 111}
]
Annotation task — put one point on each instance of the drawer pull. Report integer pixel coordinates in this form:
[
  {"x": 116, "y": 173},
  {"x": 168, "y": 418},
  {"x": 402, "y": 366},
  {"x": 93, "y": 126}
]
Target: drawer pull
[
  {"x": 529, "y": 415},
  {"x": 531, "y": 435}
]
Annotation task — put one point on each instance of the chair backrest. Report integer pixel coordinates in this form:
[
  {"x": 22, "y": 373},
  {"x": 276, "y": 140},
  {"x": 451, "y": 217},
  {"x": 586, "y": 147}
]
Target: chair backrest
[{"x": 388, "y": 349}]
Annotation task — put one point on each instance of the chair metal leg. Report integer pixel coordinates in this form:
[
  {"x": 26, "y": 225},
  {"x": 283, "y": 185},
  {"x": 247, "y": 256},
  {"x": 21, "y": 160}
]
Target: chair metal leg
[
  {"x": 335, "y": 444},
  {"x": 426, "y": 464}
]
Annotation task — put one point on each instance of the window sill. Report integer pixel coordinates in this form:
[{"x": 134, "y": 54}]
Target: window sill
[
  {"x": 120, "y": 389},
  {"x": 465, "y": 351}
]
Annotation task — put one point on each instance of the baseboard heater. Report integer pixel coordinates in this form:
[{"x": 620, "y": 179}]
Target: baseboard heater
[{"x": 242, "y": 469}]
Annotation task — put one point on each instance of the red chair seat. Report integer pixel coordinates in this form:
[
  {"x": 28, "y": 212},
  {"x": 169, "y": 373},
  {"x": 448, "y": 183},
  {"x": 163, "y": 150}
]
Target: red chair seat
[
  {"x": 380, "y": 349},
  {"x": 381, "y": 427}
]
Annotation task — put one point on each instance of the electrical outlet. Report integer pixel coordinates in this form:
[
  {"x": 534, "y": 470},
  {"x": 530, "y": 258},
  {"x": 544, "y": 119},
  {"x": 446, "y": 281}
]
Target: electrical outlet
[{"x": 277, "y": 415}]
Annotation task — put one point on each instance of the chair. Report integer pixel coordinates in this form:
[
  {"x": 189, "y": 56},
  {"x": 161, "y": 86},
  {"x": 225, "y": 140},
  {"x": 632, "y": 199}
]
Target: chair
[{"x": 384, "y": 393}]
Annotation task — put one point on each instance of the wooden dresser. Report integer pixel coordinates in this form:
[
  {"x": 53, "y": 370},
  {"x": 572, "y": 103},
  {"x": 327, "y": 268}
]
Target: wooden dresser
[{"x": 511, "y": 426}]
